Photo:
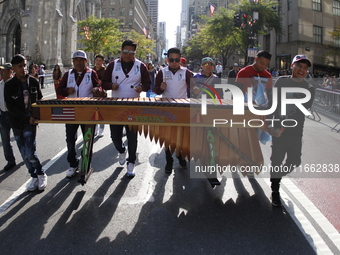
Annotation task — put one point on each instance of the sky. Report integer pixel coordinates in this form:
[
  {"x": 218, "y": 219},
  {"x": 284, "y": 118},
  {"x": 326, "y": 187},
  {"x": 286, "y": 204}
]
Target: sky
[{"x": 170, "y": 11}]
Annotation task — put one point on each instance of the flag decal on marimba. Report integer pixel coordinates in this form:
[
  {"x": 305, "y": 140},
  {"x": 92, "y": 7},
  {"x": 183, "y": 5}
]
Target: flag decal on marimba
[{"x": 63, "y": 113}]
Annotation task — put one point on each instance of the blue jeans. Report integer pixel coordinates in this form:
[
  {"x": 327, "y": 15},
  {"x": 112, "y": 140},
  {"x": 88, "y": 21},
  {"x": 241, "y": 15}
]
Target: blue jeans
[
  {"x": 5, "y": 128},
  {"x": 27, "y": 146},
  {"x": 117, "y": 136},
  {"x": 71, "y": 138}
]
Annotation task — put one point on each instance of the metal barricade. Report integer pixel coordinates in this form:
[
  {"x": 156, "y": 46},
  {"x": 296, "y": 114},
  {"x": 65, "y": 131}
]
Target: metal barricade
[{"x": 329, "y": 101}]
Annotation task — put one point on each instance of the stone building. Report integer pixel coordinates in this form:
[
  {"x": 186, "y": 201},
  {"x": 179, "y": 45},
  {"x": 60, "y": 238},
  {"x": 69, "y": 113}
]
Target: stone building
[{"x": 43, "y": 31}]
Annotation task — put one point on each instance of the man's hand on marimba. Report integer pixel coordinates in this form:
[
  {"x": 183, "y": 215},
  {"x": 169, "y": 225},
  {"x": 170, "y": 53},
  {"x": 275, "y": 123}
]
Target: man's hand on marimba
[
  {"x": 196, "y": 90},
  {"x": 163, "y": 85},
  {"x": 115, "y": 86},
  {"x": 71, "y": 90},
  {"x": 33, "y": 121},
  {"x": 138, "y": 88}
]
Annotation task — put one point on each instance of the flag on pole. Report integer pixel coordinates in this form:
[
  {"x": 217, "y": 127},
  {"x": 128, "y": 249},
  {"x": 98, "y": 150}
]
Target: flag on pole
[{"x": 212, "y": 9}]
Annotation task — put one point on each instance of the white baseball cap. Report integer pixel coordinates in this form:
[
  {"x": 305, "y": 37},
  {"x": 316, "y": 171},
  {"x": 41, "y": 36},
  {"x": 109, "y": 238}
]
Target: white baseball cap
[
  {"x": 79, "y": 54},
  {"x": 303, "y": 58}
]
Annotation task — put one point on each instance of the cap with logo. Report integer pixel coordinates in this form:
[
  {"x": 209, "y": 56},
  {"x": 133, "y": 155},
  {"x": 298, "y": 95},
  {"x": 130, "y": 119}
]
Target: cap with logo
[
  {"x": 79, "y": 54},
  {"x": 6, "y": 66},
  {"x": 301, "y": 58},
  {"x": 207, "y": 60}
]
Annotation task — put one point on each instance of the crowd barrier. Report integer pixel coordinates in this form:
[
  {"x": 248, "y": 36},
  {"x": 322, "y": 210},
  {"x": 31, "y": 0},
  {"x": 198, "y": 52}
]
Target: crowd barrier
[{"x": 328, "y": 101}]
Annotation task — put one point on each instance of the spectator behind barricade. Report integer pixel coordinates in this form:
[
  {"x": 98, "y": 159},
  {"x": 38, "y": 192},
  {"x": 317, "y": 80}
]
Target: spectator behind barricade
[
  {"x": 233, "y": 73},
  {"x": 32, "y": 71},
  {"x": 152, "y": 72},
  {"x": 41, "y": 73},
  {"x": 57, "y": 74},
  {"x": 219, "y": 69}
]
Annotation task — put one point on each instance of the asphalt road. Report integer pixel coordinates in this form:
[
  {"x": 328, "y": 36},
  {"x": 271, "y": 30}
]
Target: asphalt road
[{"x": 156, "y": 213}]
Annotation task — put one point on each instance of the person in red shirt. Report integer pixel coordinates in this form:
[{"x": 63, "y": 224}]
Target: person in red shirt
[{"x": 252, "y": 75}]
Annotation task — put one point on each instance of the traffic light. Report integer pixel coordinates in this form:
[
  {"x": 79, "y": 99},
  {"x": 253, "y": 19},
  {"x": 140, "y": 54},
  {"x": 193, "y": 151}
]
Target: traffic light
[
  {"x": 245, "y": 18},
  {"x": 237, "y": 20}
]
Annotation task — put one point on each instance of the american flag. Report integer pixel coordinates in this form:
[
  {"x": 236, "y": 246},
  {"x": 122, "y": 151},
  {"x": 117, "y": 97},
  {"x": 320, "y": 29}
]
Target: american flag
[{"x": 63, "y": 113}]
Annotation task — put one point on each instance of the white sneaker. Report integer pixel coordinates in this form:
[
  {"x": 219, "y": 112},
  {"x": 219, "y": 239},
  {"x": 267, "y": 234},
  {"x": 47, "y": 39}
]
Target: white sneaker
[
  {"x": 33, "y": 185},
  {"x": 42, "y": 181},
  {"x": 122, "y": 158},
  {"x": 130, "y": 170},
  {"x": 71, "y": 172},
  {"x": 100, "y": 133}
]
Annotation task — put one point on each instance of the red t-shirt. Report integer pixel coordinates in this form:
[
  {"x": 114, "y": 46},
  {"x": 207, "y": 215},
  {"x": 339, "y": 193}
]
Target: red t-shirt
[{"x": 250, "y": 78}]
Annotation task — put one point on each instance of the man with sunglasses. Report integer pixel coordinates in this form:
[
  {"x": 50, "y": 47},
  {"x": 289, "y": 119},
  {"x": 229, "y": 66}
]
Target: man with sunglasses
[
  {"x": 173, "y": 81},
  {"x": 127, "y": 77}
]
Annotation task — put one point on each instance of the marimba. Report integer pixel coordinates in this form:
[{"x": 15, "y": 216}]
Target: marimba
[{"x": 175, "y": 123}]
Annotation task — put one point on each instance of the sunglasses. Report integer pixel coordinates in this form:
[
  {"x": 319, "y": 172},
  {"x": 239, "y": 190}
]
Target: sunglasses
[
  {"x": 174, "y": 60},
  {"x": 207, "y": 64},
  {"x": 131, "y": 52}
]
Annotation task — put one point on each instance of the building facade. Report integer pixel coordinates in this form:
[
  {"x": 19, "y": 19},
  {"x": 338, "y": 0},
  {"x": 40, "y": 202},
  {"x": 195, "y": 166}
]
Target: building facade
[
  {"x": 43, "y": 31},
  {"x": 132, "y": 14},
  {"x": 307, "y": 25}
]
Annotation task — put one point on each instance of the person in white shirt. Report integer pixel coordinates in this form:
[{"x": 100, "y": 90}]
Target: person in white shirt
[
  {"x": 127, "y": 77},
  {"x": 173, "y": 82},
  {"x": 219, "y": 70}
]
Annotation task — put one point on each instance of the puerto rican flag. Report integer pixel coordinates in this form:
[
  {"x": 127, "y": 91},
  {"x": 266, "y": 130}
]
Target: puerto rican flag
[{"x": 212, "y": 9}]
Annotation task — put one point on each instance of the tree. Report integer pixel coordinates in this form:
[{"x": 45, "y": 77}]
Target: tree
[
  {"x": 268, "y": 19},
  {"x": 221, "y": 36},
  {"x": 100, "y": 35},
  {"x": 334, "y": 52},
  {"x": 145, "y": 46}
]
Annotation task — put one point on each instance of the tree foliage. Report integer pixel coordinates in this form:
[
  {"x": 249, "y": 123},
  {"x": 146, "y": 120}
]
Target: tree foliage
[
  {"x": 100, "y": 35},
  {"x": 103, "y": 36},
  {"x": 220, "y": 37}
]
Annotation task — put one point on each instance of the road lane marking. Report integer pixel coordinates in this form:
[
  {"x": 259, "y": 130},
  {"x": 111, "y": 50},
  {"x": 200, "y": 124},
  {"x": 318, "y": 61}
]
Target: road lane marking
[{"x": 304, "y": 224}]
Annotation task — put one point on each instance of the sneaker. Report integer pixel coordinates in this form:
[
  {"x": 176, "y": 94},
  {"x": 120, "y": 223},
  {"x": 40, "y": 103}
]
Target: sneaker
[
  {"x": 122, "y": 158},
  {"x": 276, "y": 200},
  {"x": 100, "y": 133},
  {"x": 130, "y": 170},
  {"x": 71, "y": 172},
  {"x": 33, "y": 185},
  {"x": 9, "y": 166},
  {"x": 168, "y": 166},
  {"x": 42, "y": 181}
]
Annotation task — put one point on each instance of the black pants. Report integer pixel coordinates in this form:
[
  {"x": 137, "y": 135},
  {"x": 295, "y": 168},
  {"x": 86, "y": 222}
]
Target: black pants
[
  {"x": 289, "y": 146},
  {"x": 117, "y": 136}
]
